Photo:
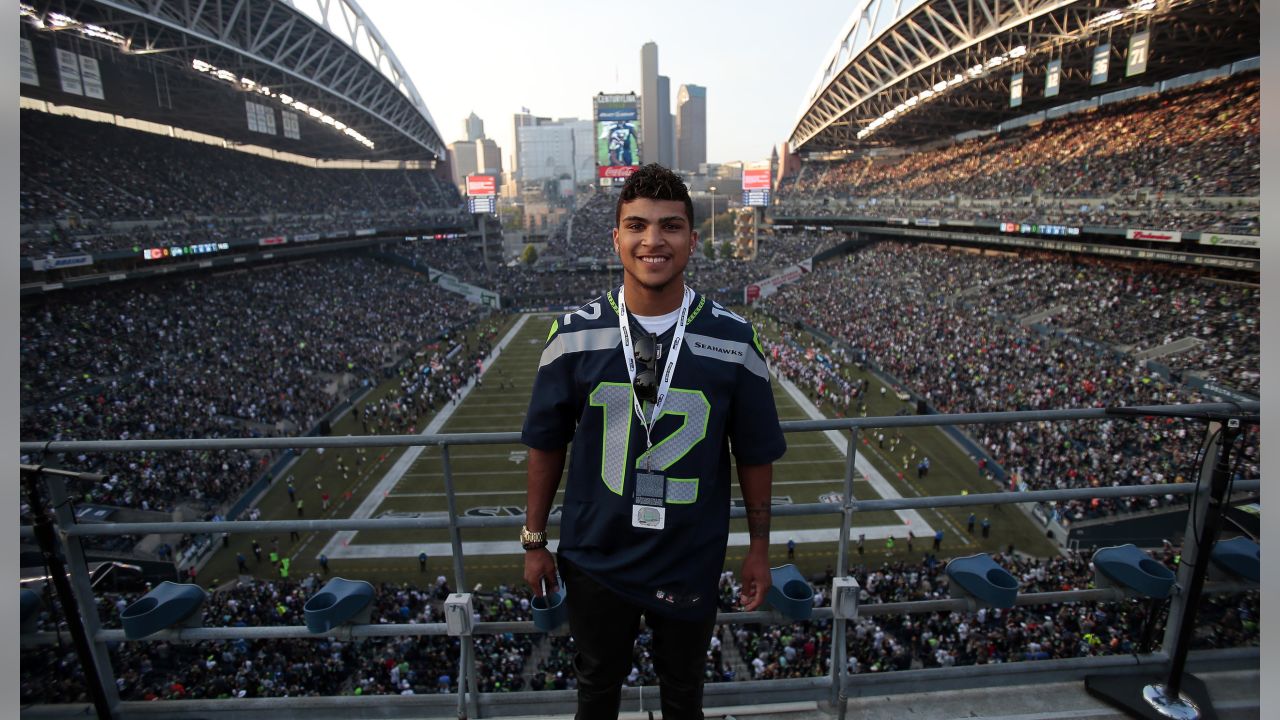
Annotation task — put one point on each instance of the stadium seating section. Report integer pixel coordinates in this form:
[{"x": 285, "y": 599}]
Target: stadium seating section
[{"x": 1186, "y": 159}]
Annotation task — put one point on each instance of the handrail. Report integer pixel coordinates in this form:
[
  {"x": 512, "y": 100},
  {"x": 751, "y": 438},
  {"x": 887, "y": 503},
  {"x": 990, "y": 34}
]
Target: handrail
[
  {"x": 764, "y": 617},
  {"x": 440, "y": 523},
  {"x": 468, "y": 694},
  {"x": 346, "y": 441}
]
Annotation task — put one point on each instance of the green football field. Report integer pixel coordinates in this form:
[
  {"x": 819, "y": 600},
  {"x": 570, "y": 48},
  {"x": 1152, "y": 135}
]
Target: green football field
[{"x": 490, "y": 480}]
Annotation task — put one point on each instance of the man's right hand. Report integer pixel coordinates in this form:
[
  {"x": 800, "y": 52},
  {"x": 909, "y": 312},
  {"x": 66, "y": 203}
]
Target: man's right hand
[{"x": 540, "y": 566}]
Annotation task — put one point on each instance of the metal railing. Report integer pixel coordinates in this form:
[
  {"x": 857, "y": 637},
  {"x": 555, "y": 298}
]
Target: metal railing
[{"x": 831, "y": 690}]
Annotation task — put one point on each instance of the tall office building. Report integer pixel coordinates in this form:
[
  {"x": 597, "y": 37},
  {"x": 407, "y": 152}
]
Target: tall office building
[
  {"x": 522, "y": 119},
  {"x": 691, "y": 127},
  {"x": 650, "y": 108},
  {"x": 473, "y": 128},
  {"x": 667, "y": 127},
  {"x": 478, "y": 157},
  {"x": 557, "y": 148},
  {"x": 462, "y": 160}
]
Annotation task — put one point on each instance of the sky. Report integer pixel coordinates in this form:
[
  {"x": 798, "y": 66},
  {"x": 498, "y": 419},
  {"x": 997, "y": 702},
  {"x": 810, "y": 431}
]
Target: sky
[{"x": 757, "y": 59}]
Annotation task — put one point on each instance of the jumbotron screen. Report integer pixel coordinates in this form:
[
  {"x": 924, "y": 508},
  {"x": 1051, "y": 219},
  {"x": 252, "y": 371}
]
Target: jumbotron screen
[{"x": 617, "y": 137}]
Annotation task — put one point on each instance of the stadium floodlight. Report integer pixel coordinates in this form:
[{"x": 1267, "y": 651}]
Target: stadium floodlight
[
  {"x": 940, "y": 86},
  {"x": 1018, "y": 52},
  {"x": 1106, "y": 18}
]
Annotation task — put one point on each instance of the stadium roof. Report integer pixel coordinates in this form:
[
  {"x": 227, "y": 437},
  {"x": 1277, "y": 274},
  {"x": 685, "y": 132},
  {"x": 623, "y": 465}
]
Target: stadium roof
[
  {"x": 912, "y": 71},
  {"x": 191, "y": 63}
]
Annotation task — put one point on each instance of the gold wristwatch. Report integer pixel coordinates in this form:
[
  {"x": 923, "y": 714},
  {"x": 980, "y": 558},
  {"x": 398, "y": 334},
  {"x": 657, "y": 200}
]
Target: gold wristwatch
[{"x": 530, "y": 540}]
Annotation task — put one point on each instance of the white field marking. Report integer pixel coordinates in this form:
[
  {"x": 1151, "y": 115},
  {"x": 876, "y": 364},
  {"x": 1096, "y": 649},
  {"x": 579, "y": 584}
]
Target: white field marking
[
  {"x": 861, "y": 463},
  {"x": 471, "y": 415},
  {"x": 482, "y": 404},
  {"x": 836, "y": 482},
  {"x": 906, "y": 478},
  {"x": 510, "y": 547},
  {"x": 432, "y": 474},
  {"x": 370, "y": 503},
  {"x": 455, "y": 455}
]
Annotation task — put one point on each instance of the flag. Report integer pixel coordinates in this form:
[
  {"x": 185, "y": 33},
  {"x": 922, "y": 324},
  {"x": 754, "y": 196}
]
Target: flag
[{"x": 525, "y": 110}]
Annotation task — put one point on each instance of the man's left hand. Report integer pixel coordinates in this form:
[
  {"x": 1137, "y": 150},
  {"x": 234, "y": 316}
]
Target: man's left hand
[{"x": 756, "y": 579}]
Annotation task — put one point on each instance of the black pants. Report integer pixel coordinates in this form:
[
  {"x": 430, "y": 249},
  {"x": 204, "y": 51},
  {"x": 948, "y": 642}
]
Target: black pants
[{"x": 604, "y": 627}]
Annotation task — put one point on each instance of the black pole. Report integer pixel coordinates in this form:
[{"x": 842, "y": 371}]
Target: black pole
[
  {"x": 1204, "y": 545},
  {"x": 46, "y": 537},
  {"x": 1180, "y": 696}
]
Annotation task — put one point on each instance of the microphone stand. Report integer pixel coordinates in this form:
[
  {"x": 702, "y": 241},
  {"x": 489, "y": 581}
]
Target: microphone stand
[
  {"x": 1179, "y": 696},
  {"x": 47, "y": 538}
]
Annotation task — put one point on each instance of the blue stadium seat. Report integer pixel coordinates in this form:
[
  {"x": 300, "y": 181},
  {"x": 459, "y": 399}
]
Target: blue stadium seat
[
  {"x": 167, "y": 605},
  {"x": 1132, "y": 570},
  {"x": 790, "y": 594},
  {"x": 979, "y": 577},
  {"x": 339, "y": 601}
]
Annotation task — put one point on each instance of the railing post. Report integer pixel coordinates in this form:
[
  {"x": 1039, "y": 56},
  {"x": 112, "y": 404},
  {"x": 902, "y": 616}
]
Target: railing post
[
  {"x": 78, "y": 569},
  {"x": 466, "y": 647},
  {"x": 842, "y": 558},
  {"x": 1196, "y": 516}
]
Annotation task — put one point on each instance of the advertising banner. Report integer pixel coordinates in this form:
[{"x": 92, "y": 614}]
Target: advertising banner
[
  {"x": 755, "y": 176},
  {"x": 61, "y": 262},
  {"x": 618, "y": 135},
  {"x": 273, "y": 240},
  {"x": 1171, "y": 236},
  {"x": 481, "y": 185},
  {"x": 472, "y": 293},
  {"x": 768, "y": 286},
  {"x": 1208, "y": 238}
]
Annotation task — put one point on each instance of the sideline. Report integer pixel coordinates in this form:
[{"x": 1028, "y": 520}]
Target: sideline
[
  {"x": 339, "y": 546},
  {"x": 911, "y": 519}
]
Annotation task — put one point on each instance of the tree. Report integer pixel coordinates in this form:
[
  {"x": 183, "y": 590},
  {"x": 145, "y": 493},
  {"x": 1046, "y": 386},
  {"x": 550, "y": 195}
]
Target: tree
[
  {"x": 709, "y": 249},
  {"x": 529, "y": 255}
]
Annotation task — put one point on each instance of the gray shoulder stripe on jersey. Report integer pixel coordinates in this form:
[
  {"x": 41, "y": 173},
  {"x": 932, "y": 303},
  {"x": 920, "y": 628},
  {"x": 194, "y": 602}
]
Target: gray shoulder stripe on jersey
[
  {"x": 728, "y": 351},
  {"x": 576, "y": 341}
]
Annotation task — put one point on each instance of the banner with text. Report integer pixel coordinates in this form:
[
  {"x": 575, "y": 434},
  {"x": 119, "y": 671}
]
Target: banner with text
[
  {"x": 618, "y": 136},
  {"x": 770, "y": 285},
  {"x": 1170, "y": 236},
  {"x": 1208, "y": 238}
]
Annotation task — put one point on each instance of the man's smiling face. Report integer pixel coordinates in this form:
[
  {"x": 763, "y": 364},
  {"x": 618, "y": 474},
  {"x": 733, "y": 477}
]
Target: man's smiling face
[{"x": 654, "y": 241}]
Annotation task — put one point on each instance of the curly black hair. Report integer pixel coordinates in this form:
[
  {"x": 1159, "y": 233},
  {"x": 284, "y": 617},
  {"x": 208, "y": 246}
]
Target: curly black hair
[{"x": 654, "y": 182}]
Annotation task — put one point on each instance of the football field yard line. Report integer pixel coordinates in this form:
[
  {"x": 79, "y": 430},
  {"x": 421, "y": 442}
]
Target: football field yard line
[
  {"x": 522, "y": 491},
  {"x": 439, "y": 474},
  {"x": 341, "y": 545},
  {"x": 341, "y": 541},
  {"x": 861, "y": 463},
  {"x": 511, "y": 547}
]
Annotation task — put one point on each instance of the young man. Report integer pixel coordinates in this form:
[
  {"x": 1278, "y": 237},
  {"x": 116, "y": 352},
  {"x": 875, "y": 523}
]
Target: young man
[{"x": 654, "y": 384}]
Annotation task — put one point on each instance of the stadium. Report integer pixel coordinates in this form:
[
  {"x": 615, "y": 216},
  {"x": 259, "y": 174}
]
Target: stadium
[{"x": 1005, "y": 271}]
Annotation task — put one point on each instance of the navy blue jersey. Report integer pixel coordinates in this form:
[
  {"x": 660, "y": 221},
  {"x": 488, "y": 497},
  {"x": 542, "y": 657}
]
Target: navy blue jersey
[{"x": 720, "y": 401}]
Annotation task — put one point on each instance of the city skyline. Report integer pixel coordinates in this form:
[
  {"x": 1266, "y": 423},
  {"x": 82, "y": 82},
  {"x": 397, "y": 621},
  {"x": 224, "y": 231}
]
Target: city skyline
[{"x": 553, "y": 63}]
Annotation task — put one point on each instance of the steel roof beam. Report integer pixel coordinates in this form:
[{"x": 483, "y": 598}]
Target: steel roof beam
[{"x": 278, "y": 45}]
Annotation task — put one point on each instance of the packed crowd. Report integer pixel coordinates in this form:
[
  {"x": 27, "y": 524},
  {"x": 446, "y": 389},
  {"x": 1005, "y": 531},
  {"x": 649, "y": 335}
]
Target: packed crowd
[
  {"x": 945, "y": 639},
  {"x": 510, "y": 662},
  {"x": 93, "y": 187},
  {"x": 262, "y": 352},
  {"x": 1151, "y": 162},
  {"x": 916, "y": 322}
]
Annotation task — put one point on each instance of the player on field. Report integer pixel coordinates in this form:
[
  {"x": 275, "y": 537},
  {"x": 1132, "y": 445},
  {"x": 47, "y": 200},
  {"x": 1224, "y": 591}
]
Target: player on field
[{"x": 654, "y": 384}]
